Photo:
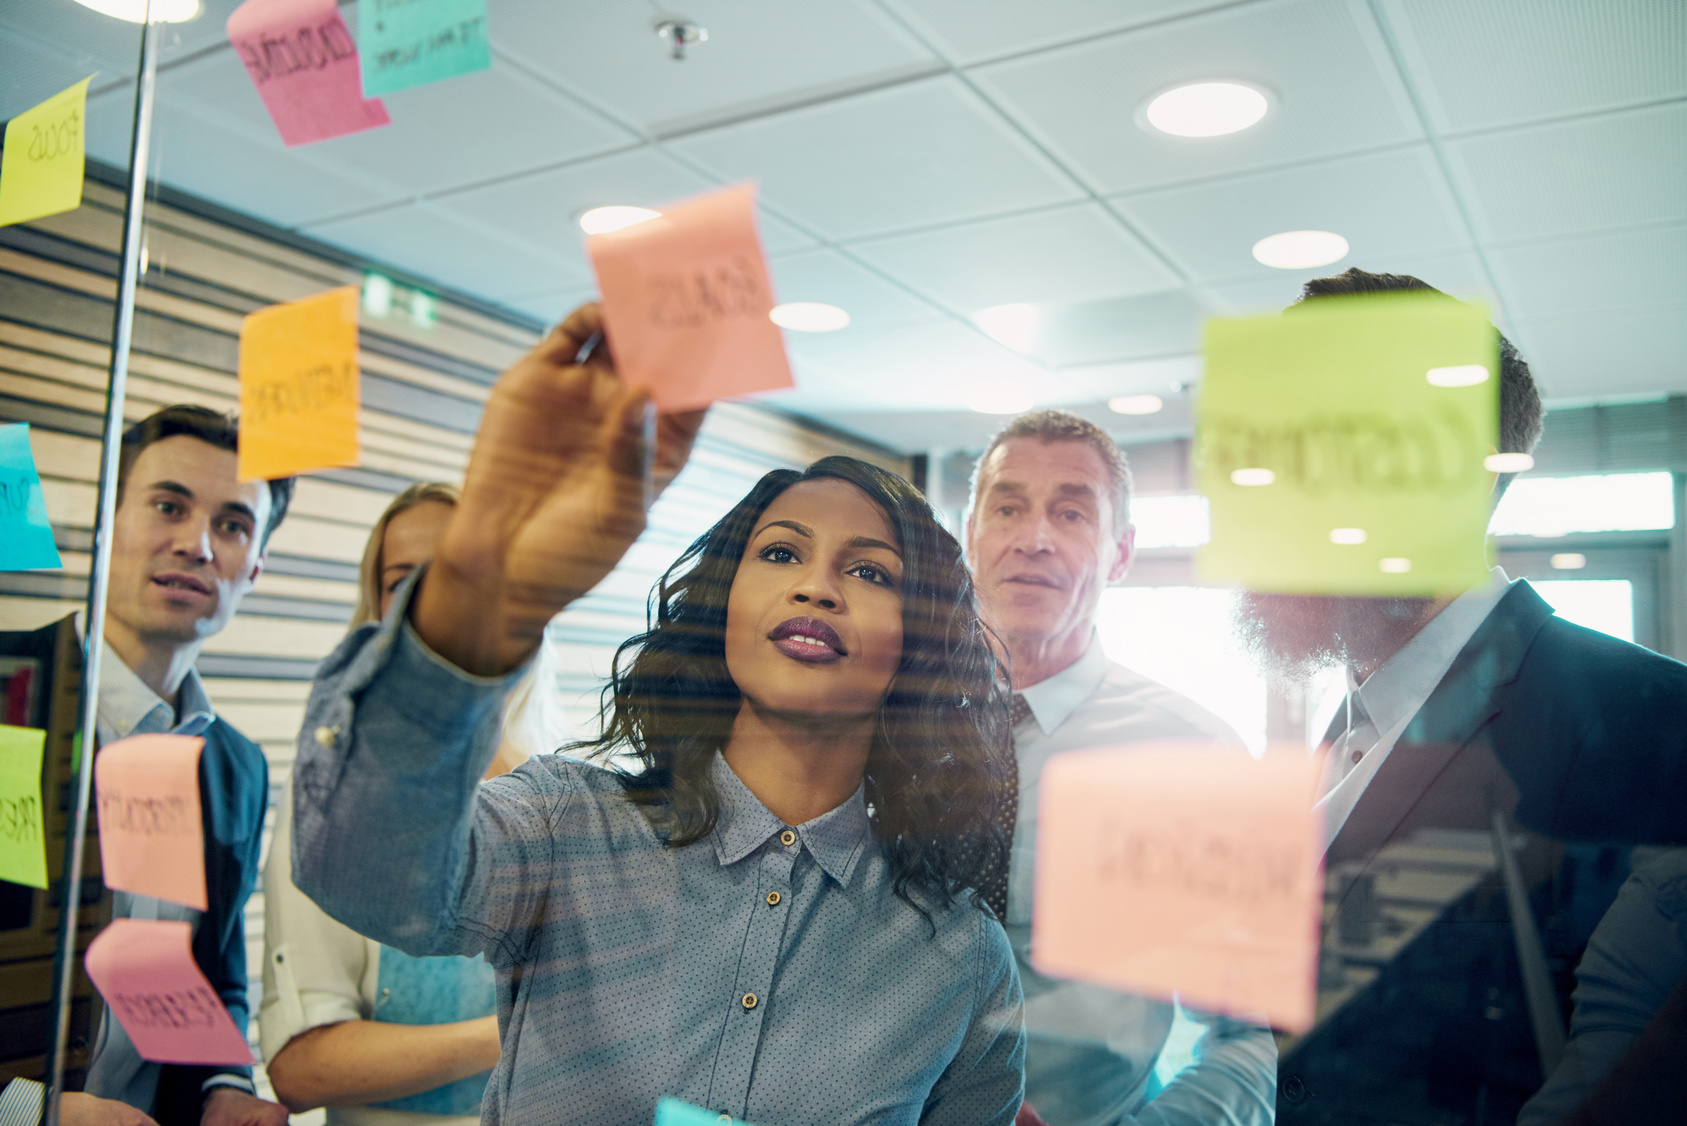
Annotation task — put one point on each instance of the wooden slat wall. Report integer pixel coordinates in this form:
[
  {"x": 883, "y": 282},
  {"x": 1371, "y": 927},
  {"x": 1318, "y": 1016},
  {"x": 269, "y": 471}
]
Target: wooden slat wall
[{"x": 423, "y": 390}]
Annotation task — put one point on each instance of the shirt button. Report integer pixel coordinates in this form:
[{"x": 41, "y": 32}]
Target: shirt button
[
  {"x": 750, "y": 1001},
  {"x": 773, "y": 898},
  {"x": 325, "y": 736},
  {"x": 1358, "y": 755},
  {"x": 724, "y": 1118},
  {"x": 787, "y": 838}
]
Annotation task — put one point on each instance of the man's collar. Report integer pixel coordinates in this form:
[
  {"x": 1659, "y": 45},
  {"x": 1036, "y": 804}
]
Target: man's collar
[
  {"x": 835, "y": 839},
  {"x": 127, "y": 705},
  {"x": 1054, "y": 699}
]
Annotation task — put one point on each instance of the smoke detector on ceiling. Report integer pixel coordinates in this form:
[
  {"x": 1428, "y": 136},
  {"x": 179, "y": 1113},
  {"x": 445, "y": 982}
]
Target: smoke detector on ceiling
[{"x": 679, "y": 34}]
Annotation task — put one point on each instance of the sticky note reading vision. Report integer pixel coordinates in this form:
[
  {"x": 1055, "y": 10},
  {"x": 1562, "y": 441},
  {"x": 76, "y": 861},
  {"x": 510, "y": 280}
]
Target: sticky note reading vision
[
  {"x": 46, "y": 147},
  {"x": 1340, "y": 446},
  {"x": 299, "y": 386},
  {"x": 686, "y": 299},
  {"x": 26, "y": 535},
  {"x": 1183, "y": 868},
  {"x": 23, "y": 827},
  {"x": 406, "y": 43},
  {"x": 144, "y": 969},
  {"x": 152, "y": 839},
  {"x": 302, "y": 59},
  {"x": 673, "y": 1112}
]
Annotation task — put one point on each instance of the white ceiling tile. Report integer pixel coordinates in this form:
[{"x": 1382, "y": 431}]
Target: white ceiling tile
[
  {"x": 1458, "y": 273},
  {"x": 970, "y": 30},
  {"x": 1617, "y": 170},
  {"x": 829, "y": 277},
  {"x": 1335, "y": 92},
  {"x": 908, "y": 366},
  {"x": 1118, "y": 329},
  {"x": 35, "y": 70},
  {"x": 1609, "y": 354},
  {"x": 924, "y": 153},
  {"x": 1386, "y": 205},
  {"x": 1074, "y": 253},
  {"x": 780, "y": 237},
  {"x": 1502, "y": 62},
  {"x": 1594, "y": 273},
  {"x": 553, "y": 305}
]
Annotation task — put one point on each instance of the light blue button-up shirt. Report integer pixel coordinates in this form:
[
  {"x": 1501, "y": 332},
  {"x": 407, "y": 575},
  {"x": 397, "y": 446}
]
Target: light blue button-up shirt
[{"x": 767, "y": 972}]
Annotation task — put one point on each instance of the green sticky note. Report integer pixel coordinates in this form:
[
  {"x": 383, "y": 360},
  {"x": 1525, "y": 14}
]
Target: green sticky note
[
  {"x": 1340, "y": 446},
  {"x": 26, "y": 535},
  {"x": 673, "y": 1112},
  {"x": 405, "y": 43},
  {"x": 23, "y": 826},
  {"x": 41, "y": 170}
]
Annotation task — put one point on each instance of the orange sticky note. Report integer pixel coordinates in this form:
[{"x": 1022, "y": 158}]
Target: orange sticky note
[
  {"x": 1183, "y": 868},
  {"x": 152, "y": 840},
  {"x": 144, "y": 969},
  {"x": 299, "y": 386},
  {"x": 686, "y": 299}
]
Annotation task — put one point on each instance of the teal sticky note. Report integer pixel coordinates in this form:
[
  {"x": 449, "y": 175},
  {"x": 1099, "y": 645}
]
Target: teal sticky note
[
  {"x": 673, "y": 1112},
  {"x": 405, "y": 43},
  {"x": 26, "y": 536}
]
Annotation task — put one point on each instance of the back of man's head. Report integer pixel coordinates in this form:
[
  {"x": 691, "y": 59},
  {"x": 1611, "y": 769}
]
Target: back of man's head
[
  {"x": 210, "y": 427},
  {"x": 1063, "y": 426}
]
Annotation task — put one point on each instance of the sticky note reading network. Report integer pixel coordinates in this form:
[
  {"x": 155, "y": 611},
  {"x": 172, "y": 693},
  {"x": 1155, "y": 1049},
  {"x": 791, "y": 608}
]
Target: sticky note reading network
[
  {"x": 1183, "y": 868},
  {"x": 301, "y": 57},
  {"x": 686, "y": 299},
  {"x": 26, "y": 535},
  {"x": 673, "y": 1112},
  {"x": 1340, "y": 446},
  {"x": 405, "y": 43},
  {"x": 46, "y": 147},
  {"x": 299, "y": 386},
  {"x": 152, "y": 838},
  {"x": 144, "y": 969},
  {"x": 23, "y": 826}
]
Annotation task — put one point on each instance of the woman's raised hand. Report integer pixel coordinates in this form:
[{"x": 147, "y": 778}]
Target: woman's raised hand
[{"x": 554, "y": 496}]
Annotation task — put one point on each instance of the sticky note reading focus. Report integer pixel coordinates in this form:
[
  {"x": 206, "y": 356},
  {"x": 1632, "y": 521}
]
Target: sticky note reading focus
[
  {"x": 23, "y": 826},
  {"x": 673, "y": 1112},
  {"x": 144, "y": 969},
  {"x": 299, "y": 387},
  {"x": 406, "y": 43},
  {"x": 1182, "y": 868},
  {"x": 26, "y": 535},
  {"x": 41, "y": 169},
  {"x": 152, "y": 839},
  {"x": 303, "y": 61},
  {"x": 1340, "y": 446},
  {"x": 686, "y": 299}
]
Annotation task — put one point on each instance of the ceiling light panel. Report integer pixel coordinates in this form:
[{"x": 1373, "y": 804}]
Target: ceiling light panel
[
  {"x": 826, "y": 275},
  {"x": 1206, "y": 109},
  {"x": 137, "y": 11},
  {"x": 809, "y": 316},
  {"x": 1300, "y": 250}
]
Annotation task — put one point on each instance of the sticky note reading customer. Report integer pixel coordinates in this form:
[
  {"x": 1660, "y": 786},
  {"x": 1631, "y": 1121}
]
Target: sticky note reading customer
[
  {"x": 1182, "y": 868},
  {"x": 1340, "y": 446},
  {"x": 151, "y": 837},
  {"x": 26, "y": 535},
  {"x": 23, "y": 826},
  {"x": 144, "y": 969},
  {"x": 686, "y": 299},
  {"x": 301, "y": 57},
  {"x": 299, "y": 386},
  {"x": 41, "y": 169},
  {"x": 406, "y": 43}
]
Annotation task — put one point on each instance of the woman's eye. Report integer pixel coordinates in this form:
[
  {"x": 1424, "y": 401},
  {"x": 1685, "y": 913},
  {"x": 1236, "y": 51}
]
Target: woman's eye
[
  {"x": 871, "y": 573},
  {"x": 778, "y": 554}
]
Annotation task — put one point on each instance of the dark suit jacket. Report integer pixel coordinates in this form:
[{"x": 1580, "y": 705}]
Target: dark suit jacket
[{"x": 1581, "y": 740}]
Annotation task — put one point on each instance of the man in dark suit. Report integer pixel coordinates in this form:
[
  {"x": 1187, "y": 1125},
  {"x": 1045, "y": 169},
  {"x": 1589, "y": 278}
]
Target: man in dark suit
[{"x": 1489, "y": 771}]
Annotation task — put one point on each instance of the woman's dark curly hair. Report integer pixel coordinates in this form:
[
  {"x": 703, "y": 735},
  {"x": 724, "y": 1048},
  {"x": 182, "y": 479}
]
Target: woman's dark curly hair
[{"x": 940, "y": 756}]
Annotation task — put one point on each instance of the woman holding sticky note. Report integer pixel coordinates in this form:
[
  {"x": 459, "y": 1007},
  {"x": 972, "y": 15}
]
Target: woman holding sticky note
[{"x": 771, "y": 913}]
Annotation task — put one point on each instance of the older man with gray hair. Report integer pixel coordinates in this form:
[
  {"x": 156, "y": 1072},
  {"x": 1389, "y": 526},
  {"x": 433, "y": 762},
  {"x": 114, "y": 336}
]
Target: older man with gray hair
[{"x": 1047, "y": 530}]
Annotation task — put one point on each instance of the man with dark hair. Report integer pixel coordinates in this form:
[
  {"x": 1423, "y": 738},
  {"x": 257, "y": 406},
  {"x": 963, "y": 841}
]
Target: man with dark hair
[{"x": 1508, "y": 756}]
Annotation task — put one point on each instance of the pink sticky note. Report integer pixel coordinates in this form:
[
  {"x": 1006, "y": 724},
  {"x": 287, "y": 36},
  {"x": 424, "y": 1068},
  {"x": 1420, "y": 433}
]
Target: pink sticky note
[
  {"x": 1183, "y": 868},
  {"x": 152, "y": 841},
  {"x": 686, "y": 299},
  {"x": 144, "y": 969},
  {"x": 303, "y": 60}
]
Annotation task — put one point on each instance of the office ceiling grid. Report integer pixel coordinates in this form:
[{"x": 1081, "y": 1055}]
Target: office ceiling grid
[{"x": 923, "y": 159}]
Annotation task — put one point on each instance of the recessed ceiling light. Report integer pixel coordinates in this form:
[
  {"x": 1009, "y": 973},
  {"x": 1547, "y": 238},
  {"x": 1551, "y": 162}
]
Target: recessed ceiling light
[
  {"x": 1014, "y": 325},
  {"x": 1394, "y": 565},
  {"x": 809, "y": 316},
  {"x": 602, "y": 220},
  {"x": 163, "y": 11},
  {"x": 1300, "y": 250},
  {"x": 1463, "y": 375},
  {"x": 1252, "y": 478},
  {"x": 1508, "y": 463},
  {"x": 1568, "y": 561},
  {"x": 1206, "y": 109},
  {"x": 1136, "y": 404},
  {"x": 1347, "y": 536},
  {"x": 1000, "y": 400}
]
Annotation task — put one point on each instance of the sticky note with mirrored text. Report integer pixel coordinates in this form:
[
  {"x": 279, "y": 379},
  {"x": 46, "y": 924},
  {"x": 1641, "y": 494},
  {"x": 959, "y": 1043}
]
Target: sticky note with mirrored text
[
  {"x": 1340, "y": 446},
  {"x": 406, "y": 43},
  {"x": 299, "y": 386},
  {"x": 301, "y": 57},
  {"x": 23, "y": 825},
  {"x": 152, "y": 838},
  {"x": 1183, "y": 868},
  {"x": 686, "y": 298},
  {"x": 144, "y": 969},
  {"x": 674, "y": 1112},
  {"x": 41, "y": 168},
  {"x": 26, "y": 534}
]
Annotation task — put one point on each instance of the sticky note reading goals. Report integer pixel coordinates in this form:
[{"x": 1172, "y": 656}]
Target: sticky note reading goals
[
  {"x": 299, "y": 386},
  {"x": 152, "y": 837},
  {"x": 144, "y": 969},
  {"x": 1340, "y": 446},
  {"x": 23, "y": 825},
  {"x": 41, "y": 169},
  {"x": 301, "y": 57}
]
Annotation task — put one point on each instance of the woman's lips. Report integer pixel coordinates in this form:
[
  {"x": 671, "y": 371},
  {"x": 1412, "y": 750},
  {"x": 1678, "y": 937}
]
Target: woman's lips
[{"x": 807, "y": 639}]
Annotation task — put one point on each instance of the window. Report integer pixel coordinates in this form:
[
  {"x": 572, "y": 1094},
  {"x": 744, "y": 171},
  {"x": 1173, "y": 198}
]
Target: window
[
  {"x": 1602, "y": 502},
  {"x": 1606, "y": 605}
]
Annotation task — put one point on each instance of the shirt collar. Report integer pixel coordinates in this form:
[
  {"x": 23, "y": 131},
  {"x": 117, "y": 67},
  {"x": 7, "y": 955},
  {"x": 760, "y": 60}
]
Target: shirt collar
[
  {"x": 1056, "y": 698},
  {"x": 834, "y": 839},
  {"x": 129, "y": 707}
]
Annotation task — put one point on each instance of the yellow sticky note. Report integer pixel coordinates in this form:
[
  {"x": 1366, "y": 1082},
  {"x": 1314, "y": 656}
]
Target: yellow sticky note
[
  {"x": 23, "y": 822},
  {"x": 299, "y": 390},
  {"x": 41, "y": 171},
  {"x": 1340, "y": 446}
]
